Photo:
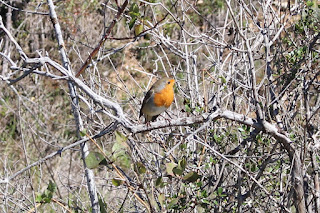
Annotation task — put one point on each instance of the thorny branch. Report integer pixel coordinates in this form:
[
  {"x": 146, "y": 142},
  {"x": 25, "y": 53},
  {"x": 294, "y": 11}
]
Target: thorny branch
[{"x": 235, "y": 62}]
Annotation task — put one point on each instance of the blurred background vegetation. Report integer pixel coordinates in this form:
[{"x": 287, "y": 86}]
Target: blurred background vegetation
[{"x": 201, "y": 44}]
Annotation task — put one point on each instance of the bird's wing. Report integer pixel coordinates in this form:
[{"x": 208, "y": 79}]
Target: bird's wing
[{"x": 146, "y": 99}]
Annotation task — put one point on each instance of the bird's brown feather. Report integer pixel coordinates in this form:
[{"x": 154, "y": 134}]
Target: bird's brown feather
[{"x": 146, "y": 99}]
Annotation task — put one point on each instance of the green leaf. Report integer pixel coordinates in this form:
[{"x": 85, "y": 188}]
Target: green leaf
[
  {"x": 182, "y": 163},
  {"x": 83, "y": 132},
  {"x": 52, "y": 186},
  {"x": 138, "y": 29},
  {"x": 161, "y": 199},
  {"x": 93, "y": 159},
  {"x": 170, "y": 167},
  {"x": 204, "y": 193},
  {"x": 173, "y": 202},
  {"x": 134, "y": 15},
  {"x": 309, "y": 3},
  {"x": 134, "y": 8},
  {"x": 47, "y": 199},
  {"x": 217, "y": 138},
  {"x": 205, "y": 201},
  {"x": 223, "y": 79},
  {"x": 38, "y": 198},
  {"x": 104, "y": 162},
  {"x": 254, "y": 168},
  {"x": 220, "y": 190},
  {"x": 103, "y": 205},
  {"x": 140, "y": 168},
  {"x": 211, "y": 160},
  {"x": 183, "y": 146},
  {"x": 191, "y": 176},
  {"x": 199, "y": 109},
  {"x": 187, "y": 108},
  {"x": 159, "y": 181},
  {"x": 134, "y": 12},
  {"x": 177, "y": 171},
  {"x": 120, "y": 138},
  {"x": 122, "y": 159},
  {"x": 47, "y": 195},
  {"x": 116, "y": 182},
  {"x": 119, "y": 150},
  {"x": 132, "y": 22}
]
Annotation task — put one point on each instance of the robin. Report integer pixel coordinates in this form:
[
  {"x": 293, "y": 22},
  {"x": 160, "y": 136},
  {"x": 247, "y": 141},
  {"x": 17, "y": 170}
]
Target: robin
[{"x": 157, "y": 99}]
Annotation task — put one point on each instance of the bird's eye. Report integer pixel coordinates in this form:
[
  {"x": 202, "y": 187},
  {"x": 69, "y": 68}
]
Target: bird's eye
[{"x": 169, "y": 82}]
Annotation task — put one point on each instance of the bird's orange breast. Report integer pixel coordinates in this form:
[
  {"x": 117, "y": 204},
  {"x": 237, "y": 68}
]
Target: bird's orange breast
[{"x": 164, "y": 97}]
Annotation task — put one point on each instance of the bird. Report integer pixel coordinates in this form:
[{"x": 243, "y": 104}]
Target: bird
[{"x": 158, "y": 99}]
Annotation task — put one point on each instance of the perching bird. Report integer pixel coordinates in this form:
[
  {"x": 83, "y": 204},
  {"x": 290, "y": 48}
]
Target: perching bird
[{"x": 157, "y": 99}]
